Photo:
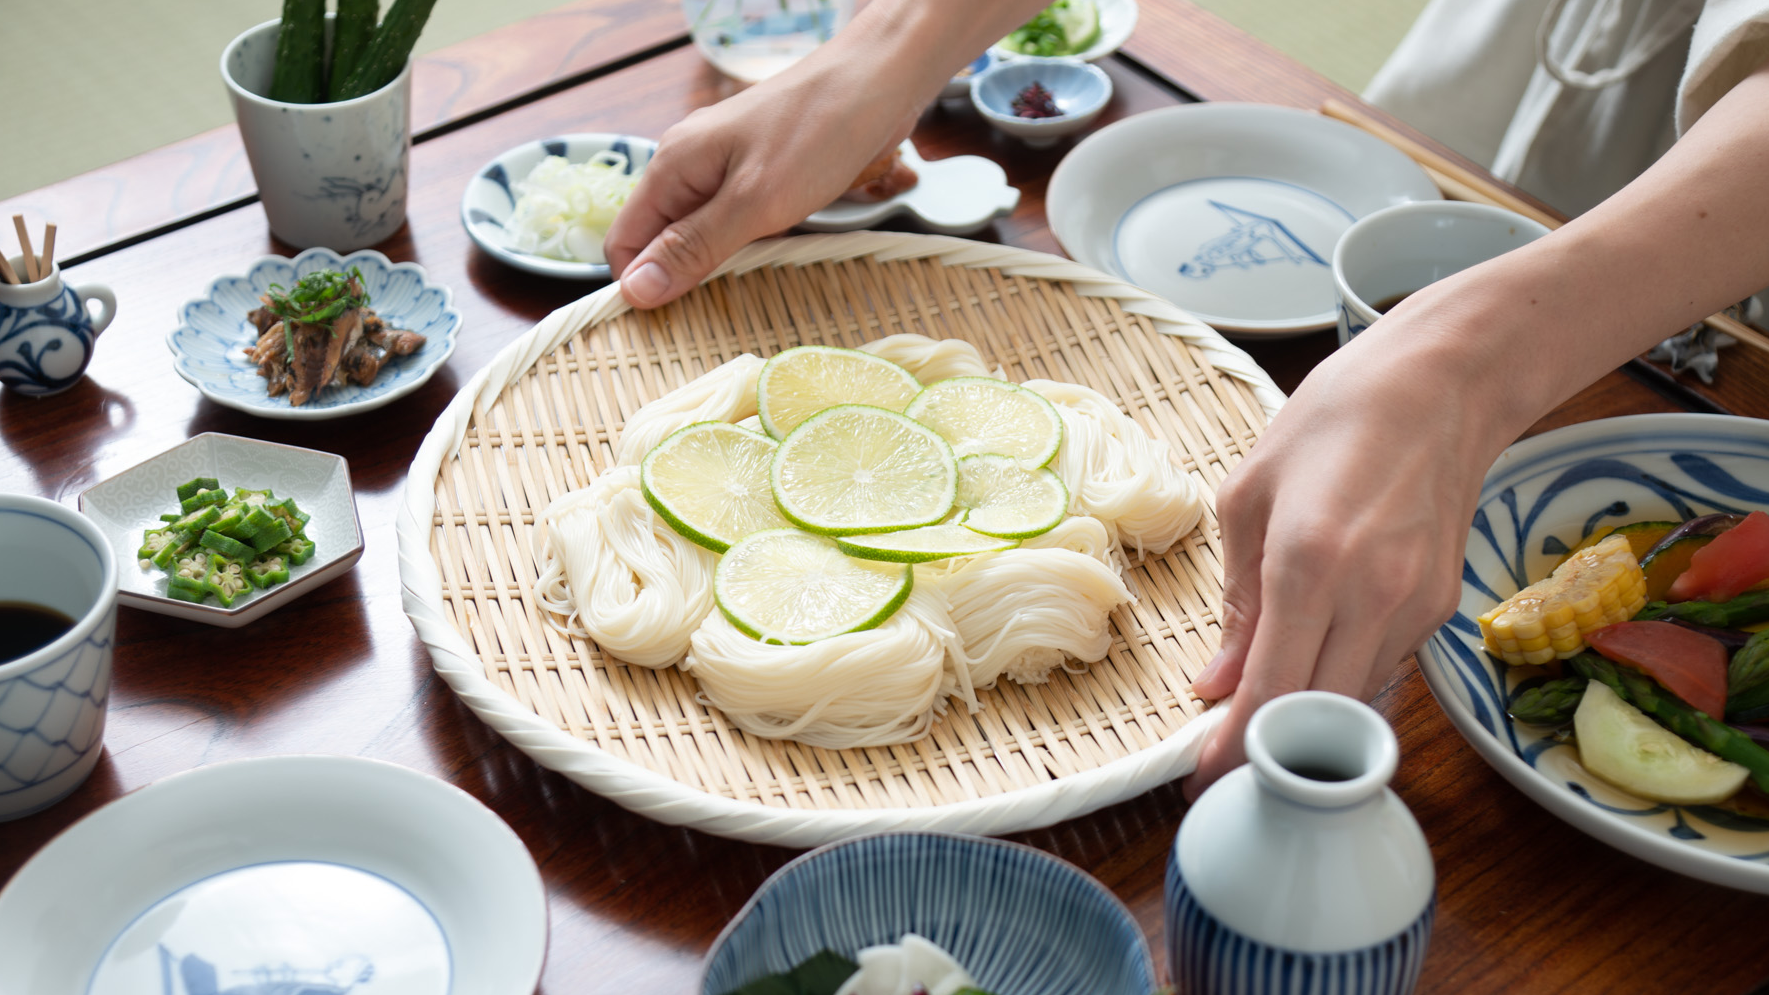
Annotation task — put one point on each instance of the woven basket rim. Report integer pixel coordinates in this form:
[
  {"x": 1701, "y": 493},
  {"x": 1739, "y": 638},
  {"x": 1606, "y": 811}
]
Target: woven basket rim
[{"x": 667, "y": 800}]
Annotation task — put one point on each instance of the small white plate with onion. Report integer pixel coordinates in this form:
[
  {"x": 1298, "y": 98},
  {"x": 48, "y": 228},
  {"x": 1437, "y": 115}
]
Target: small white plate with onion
[{"x": 571, "y": 207}]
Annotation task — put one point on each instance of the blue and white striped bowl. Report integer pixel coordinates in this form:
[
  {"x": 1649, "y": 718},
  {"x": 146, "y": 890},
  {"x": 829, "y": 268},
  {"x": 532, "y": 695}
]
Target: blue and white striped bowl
[
  {"x": 1018, "y": 919},
  {"x": 210, "y": 343},
  {"x": 490, "y": 198},
  {"x": 1539, "y": 499}
]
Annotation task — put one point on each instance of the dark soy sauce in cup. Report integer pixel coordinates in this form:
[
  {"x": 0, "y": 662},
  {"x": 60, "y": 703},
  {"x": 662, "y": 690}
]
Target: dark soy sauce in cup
[
  {"x": 1318, "y": 772},
  {"x": 26, "y": 628},
  {"x": 1387, "y": 304}
]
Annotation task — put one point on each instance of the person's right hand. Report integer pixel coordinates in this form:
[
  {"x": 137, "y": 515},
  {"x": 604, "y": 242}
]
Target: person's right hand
[{"x": 752, "y": 165}]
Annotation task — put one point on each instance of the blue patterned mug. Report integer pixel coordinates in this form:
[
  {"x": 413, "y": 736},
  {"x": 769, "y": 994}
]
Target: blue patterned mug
[
  {"x": 58, "y": 589},
  {"x": 47, "y": 332}
]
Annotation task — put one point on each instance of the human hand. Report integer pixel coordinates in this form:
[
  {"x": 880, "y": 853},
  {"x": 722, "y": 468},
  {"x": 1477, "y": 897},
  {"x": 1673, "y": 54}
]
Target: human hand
[
  {"x": 1343, "y": 534},
  {"x": 752, "y": 165}
]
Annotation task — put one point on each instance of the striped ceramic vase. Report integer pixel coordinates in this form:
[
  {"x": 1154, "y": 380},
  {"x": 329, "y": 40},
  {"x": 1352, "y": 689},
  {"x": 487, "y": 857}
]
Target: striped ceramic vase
[{"x": 1301, "y": 873}]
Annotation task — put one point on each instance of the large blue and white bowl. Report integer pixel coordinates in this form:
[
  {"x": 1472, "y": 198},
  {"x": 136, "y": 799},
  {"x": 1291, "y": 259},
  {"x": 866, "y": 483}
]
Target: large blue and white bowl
[
  {"x": 1539, "y": 499},
  {"x": 213, "y": 335},
  {"x": 1018, "y": 919},
  {"x": 491, "y": 196}
]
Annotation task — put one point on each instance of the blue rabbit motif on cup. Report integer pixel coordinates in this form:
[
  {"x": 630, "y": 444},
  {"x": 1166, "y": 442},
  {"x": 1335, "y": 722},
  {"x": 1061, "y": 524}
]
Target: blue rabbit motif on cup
[{"x": 47, "y": 334}]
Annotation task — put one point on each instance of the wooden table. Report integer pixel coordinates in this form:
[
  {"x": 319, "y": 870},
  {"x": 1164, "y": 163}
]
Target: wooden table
[{"x": 1526, "y": 903}]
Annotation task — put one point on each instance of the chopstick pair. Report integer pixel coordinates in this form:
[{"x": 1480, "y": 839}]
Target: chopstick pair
[
  {"x": 35, "y": 268},
  {"x": 1459, "y": 183}
]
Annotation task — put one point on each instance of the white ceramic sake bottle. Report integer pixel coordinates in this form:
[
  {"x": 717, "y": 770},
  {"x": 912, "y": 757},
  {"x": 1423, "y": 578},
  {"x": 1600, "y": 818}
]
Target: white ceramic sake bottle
[{"x": 1301, "y": 872}]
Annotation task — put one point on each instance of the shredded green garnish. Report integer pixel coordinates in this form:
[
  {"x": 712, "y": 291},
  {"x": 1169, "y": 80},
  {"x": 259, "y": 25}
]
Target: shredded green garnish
[{"x": 318, "y": 299}]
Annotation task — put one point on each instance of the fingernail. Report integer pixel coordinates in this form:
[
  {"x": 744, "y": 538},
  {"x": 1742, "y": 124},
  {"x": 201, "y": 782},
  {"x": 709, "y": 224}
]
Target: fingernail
[
  {"x": 645, "y": 285},
  {"x": 1210, "y": 670}
]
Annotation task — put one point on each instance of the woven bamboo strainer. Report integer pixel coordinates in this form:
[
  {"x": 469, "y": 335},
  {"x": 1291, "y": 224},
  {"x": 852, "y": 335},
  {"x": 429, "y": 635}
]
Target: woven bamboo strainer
[{"x": 543, "y": 419}]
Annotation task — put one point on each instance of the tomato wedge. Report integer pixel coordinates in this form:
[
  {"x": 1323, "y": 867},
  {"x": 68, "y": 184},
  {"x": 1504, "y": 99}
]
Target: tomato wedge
[
  {"x": 1728, "y": 566},
  {"x": 1687, "y": 663}
]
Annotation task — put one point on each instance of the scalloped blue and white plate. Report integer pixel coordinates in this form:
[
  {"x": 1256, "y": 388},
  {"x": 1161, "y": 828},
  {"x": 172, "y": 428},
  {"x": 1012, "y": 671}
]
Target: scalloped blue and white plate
[
  {"x": 1539, "y": 499},
  {"x": 209, "y": 345},
  {"x": 490, "y": 198}
]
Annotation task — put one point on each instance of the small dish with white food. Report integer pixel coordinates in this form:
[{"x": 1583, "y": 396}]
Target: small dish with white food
[{"x": 544, "y": 206}]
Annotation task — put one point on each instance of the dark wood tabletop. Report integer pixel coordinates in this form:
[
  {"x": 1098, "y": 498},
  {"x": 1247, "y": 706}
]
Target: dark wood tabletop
[{"x": 1526, "y": 903}]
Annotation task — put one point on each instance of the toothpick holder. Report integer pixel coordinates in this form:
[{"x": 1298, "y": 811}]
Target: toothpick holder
[{"x": 48, "y": 331}]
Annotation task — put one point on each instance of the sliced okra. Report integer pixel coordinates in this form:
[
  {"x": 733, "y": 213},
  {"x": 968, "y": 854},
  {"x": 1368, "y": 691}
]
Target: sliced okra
[
  {"x": 187, "y": 589},
  {"x": 190, "y": 487},
  {"x": 268, "y": 570},
  {"x": 227, "y": 579},
  {"x": 168, "y": 555},
  {"x": 269, "y": 536},
  {"x": 298, "y": 549},
  {"x": 202, "y": 499},
  {"x": 225, "y": 545}
]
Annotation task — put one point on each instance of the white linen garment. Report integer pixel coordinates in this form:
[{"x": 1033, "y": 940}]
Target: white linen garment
[{"x": 1568, "y": 99}]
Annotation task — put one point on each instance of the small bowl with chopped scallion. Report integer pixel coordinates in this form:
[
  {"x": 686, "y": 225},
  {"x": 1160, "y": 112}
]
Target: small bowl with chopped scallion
[
  {"x": 224, "y": 530},
  {"x": 545, "y": 206}
]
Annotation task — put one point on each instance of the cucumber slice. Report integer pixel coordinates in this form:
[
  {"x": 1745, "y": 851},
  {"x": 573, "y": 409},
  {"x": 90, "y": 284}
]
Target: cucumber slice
[{"x": 1620, "y": 744}]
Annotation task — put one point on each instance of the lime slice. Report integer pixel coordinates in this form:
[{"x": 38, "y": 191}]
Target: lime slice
[
  {"x": 709, "y": 481},
  {"x": 930, "y": 542},
  {"x": 986, "y": 415},
  {"x": 1007, "y": 500},
  {"x": 800, "y": 382},
  {"x": 1079, "y": 20},
  {"x": 854, "y": 468},
  {"x": 791, "y": 587}
]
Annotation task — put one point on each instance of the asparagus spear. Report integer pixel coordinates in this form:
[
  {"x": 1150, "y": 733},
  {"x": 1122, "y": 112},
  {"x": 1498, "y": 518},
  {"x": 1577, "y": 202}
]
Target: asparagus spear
[
  {"x": 1671, "y": 712},
  {"x": 1546, "y": 702},
  {"x": 351, "y": 30},
  {"x": 388, "y": 50},
  {"x": 300, "y": 73},
  {"x": 1747, "y": 681},
  {"x": 1746, "y": 609}
]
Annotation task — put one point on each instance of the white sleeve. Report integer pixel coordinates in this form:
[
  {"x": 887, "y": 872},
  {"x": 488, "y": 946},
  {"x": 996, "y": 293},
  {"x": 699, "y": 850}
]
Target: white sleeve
[{"x": 1731, "y": 41}]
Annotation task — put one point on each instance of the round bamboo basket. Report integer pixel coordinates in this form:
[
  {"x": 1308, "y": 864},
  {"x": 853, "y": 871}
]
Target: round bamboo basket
[{"x": 543, "y": 418}]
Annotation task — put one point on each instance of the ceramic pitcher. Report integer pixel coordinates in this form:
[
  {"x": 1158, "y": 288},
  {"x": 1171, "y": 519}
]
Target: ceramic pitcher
[
  {"x": 1301, "y": 872},
  {"x": 47, "y": 332}
]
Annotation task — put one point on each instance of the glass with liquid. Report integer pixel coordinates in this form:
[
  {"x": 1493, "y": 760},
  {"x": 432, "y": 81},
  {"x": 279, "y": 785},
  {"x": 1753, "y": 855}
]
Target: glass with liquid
[{"x": 750, "y": 40}]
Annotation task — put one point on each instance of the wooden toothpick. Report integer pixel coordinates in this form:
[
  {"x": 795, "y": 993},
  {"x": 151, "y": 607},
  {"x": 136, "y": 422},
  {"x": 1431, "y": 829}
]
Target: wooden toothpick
[
  {"x": 24, "y": 242},
  {"x": 47, "y": 265},
  {"x": 6, "y": 272}
]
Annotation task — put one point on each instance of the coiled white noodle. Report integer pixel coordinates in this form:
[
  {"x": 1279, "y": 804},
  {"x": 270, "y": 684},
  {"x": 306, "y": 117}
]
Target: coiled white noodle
[
  {"x": 1118, "y": 473},
  {"x": 620, "y": 575},
  {"x": 865, "y": 688},
  {"x": 929, "y": 360},
  {"x": 724, "y": 393},
  {"x": 1081, "y": 534},
  {"x": 1020, "y": 611}
]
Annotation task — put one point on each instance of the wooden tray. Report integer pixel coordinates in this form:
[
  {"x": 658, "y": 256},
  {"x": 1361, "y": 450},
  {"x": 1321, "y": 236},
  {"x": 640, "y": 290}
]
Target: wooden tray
[{"x": 543, "y": 419}]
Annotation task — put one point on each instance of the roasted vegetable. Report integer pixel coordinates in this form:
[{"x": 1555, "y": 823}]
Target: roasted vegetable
[
  {"x": 1686, "y": 663},
  {"x": 1746, "y": 609},
  {"x": 300, "y": 73},
  {"x": 1620, "y": 744},
  {"x": 1747, "y": 681},
  {"x": 1726, "y": 567},
  {"x": 1546, "y": 701},
  {"x": 1549, "y": 619},
  {"x": 388, "y": 50},
  {"x": 1704, "y": 731},
  {"x": 1667, "y": 562}
]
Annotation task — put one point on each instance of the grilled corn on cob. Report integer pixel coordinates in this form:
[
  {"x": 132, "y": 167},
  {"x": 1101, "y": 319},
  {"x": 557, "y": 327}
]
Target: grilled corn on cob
[{"x": 1598, "y": 586}]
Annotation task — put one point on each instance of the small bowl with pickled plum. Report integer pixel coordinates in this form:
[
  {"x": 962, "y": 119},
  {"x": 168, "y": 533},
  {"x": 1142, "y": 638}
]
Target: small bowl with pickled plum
[
  {"x": 1017, "y": 920},
  {"x": 1651, "y": 489},
  {"x": 305, "y": 491},
  {"x": 1040, "y": 101}
]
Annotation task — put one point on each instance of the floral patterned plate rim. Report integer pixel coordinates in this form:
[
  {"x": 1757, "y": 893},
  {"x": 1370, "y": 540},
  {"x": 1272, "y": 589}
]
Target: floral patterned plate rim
[
  {"x": 213, "y": 334},
  {"x": 125, "y": 505},
  {"x": 1541, "y": 496}
]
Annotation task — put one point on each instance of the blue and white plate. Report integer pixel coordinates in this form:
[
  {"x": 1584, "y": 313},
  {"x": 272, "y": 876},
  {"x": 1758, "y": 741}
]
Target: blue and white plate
[
  {"x": 313, "y": 874},
  {"x": 1540, "y": 498},
  {"x": 213, "y": 337},
  {"x": 491, "y": 197},
  {"x": 1230, "y": 211},
  {"x": 1017, "y": 919}
]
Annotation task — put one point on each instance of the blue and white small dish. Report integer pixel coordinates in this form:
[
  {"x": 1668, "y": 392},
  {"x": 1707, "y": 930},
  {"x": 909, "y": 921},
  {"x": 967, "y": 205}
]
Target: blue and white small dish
[
  {"x": 1017, "y": 919},
  {"x": 1079, "y": 91},
  {"x": 125, "y": 505},
  {"x": 491, "y": 197},
  {"x": 958, "y": 87},
  {"x": 211, "y": 342},
  {"x": 1540, "y": 497},
  {"x": 1231, "y": 211},
  {"x": 959, "y": 195},
  {"x": 1117, "y": 19},
  {"x": 313, "y": 874}
]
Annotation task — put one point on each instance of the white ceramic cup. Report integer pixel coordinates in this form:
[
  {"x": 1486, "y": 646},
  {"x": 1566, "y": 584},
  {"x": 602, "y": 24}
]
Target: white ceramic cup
[
  {"x": 328, "y": 174},
  {"x": 52, "y": 700},
  {"x": 1400, "y": 249}
]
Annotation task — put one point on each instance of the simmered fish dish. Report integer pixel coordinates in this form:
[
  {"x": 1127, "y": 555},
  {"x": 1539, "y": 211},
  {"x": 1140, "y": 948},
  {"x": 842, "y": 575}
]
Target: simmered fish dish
[{"x": 321, "y": 333}]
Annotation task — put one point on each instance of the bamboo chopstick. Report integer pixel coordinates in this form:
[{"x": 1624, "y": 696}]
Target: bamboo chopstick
[
  {"x": 24, "y": 242},
  {"x": 1459, "y": 183},
  {"x": 6, "y": 272},
  {"x": 47, "y": 265}
]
